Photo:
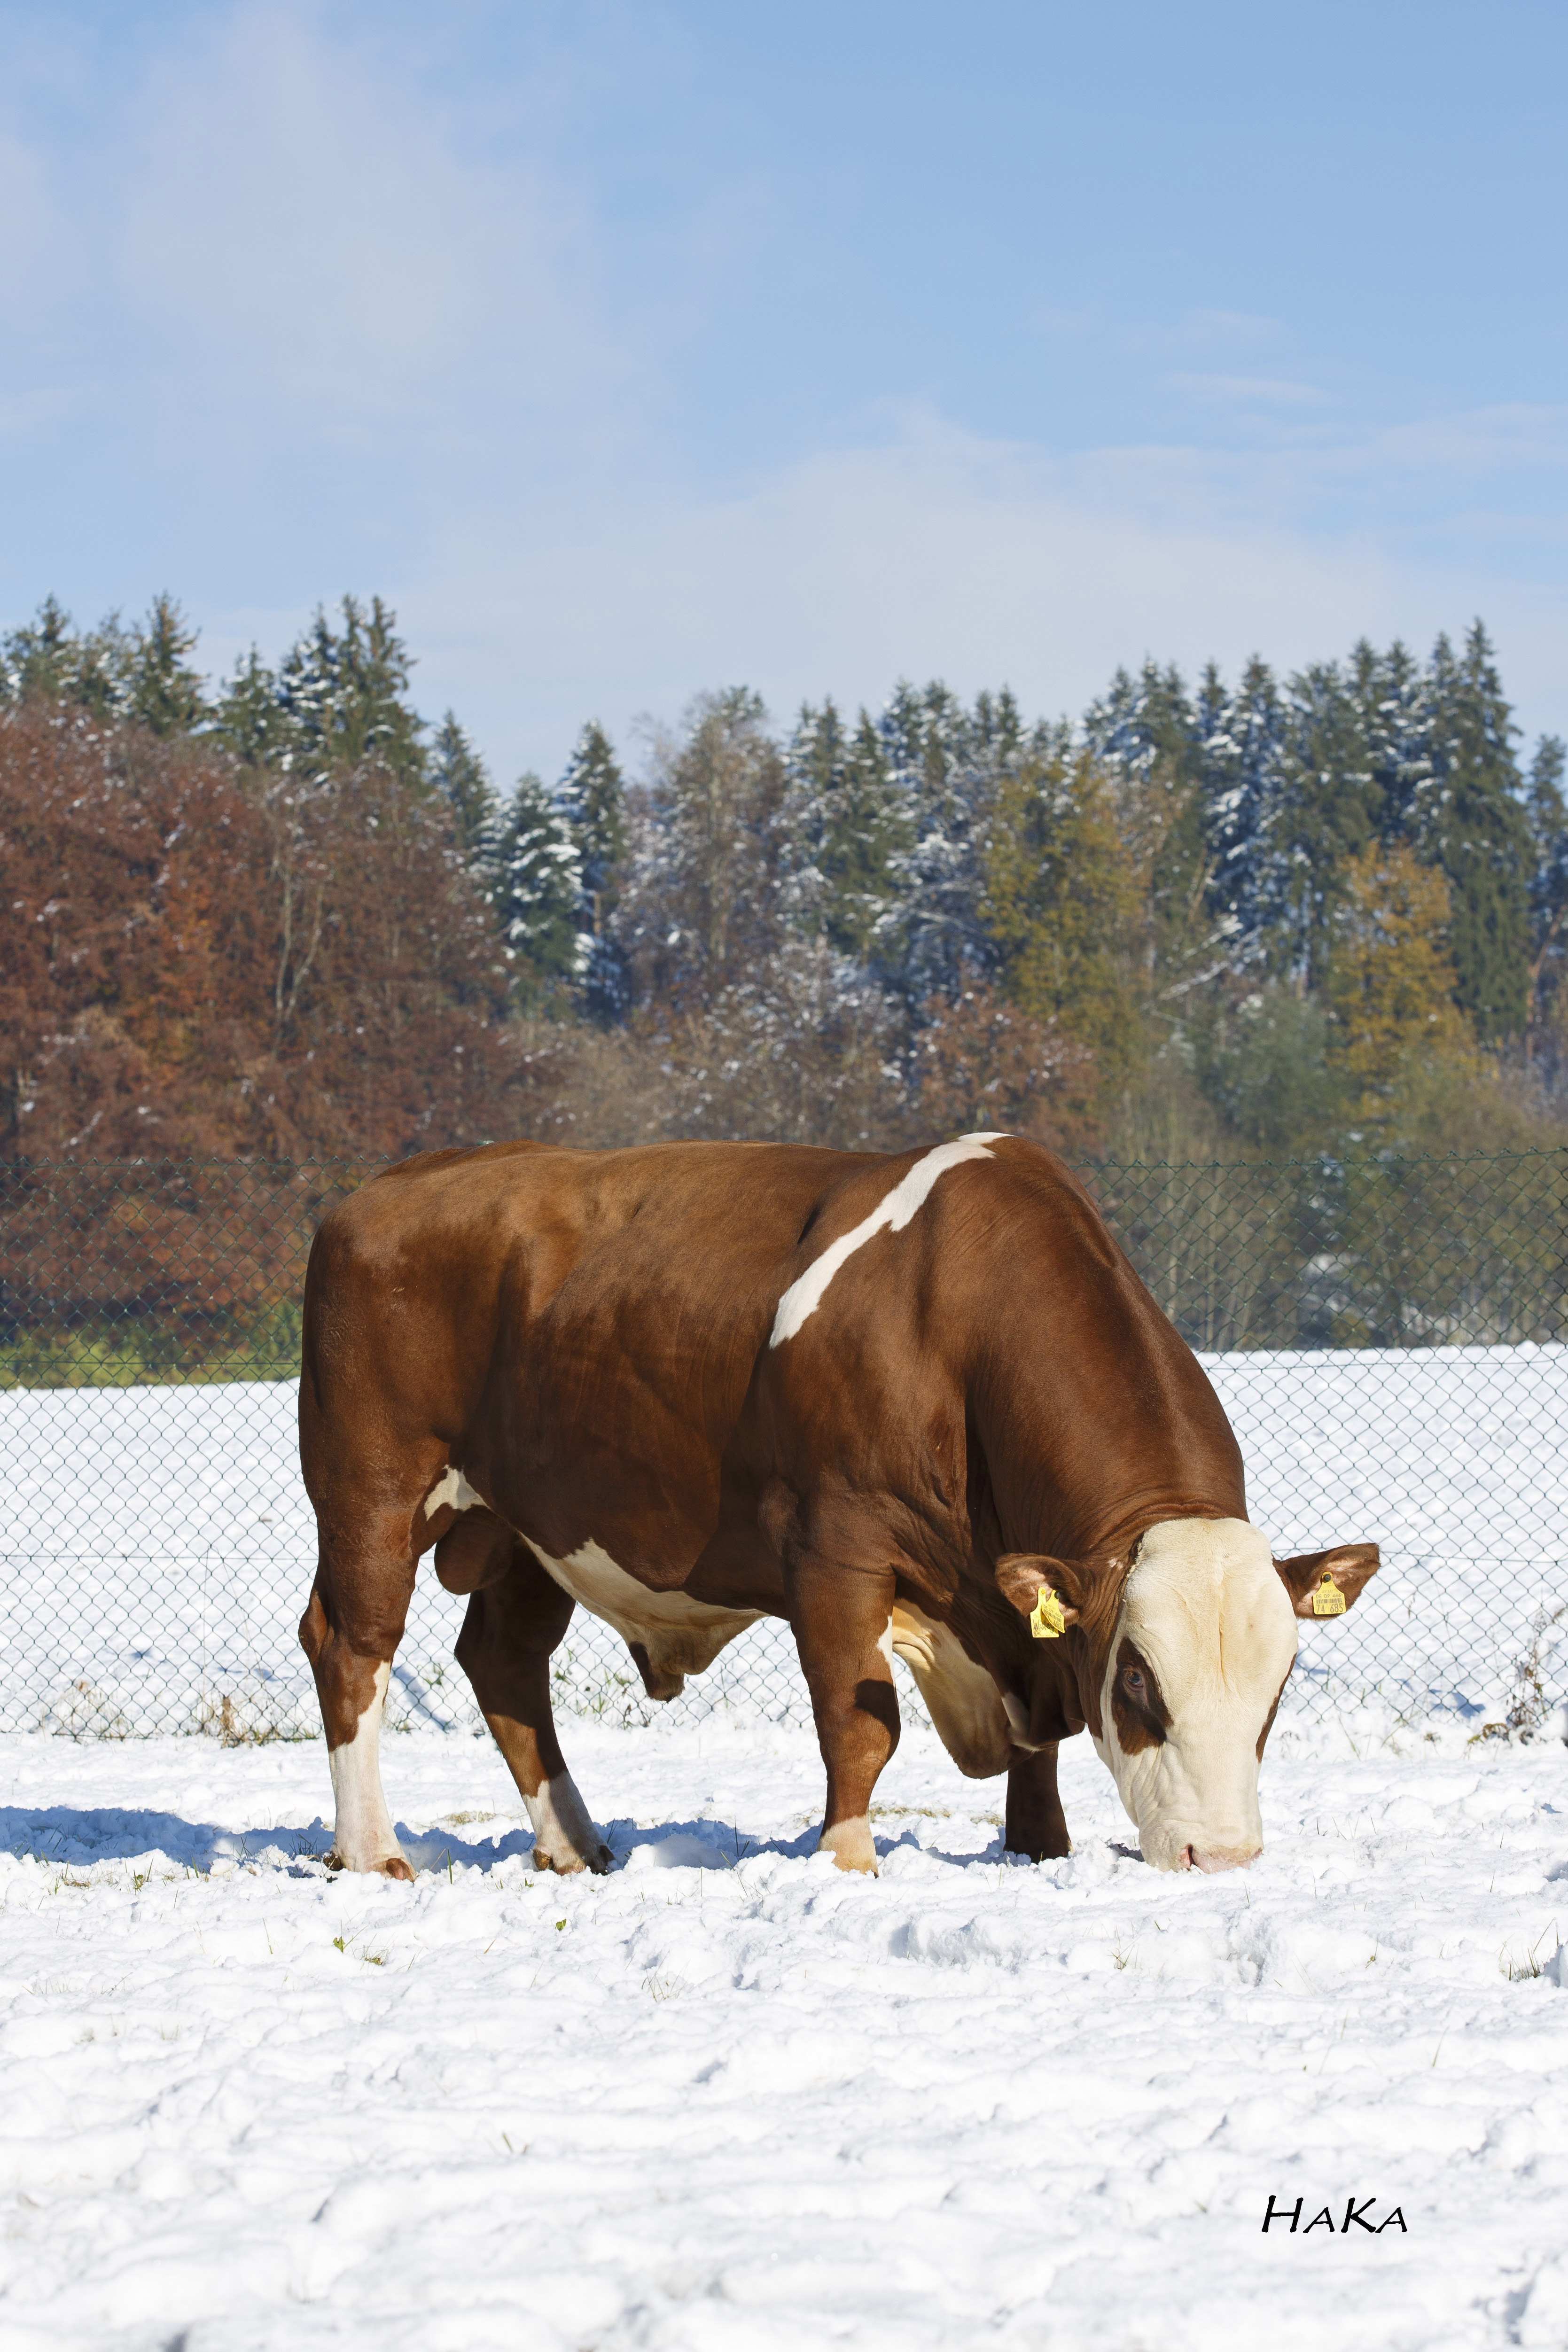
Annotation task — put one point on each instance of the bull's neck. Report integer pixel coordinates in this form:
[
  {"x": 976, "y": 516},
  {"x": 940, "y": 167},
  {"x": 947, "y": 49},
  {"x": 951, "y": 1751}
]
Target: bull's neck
[{"x": 1085, "y": 1452}]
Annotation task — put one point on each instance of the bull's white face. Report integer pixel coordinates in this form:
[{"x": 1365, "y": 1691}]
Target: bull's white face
[{"x": 1205, "y": 1639}]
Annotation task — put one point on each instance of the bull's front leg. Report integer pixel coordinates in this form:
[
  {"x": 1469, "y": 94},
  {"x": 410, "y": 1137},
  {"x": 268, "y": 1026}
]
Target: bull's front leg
[
  {"x": 1036, "y": 1824},
  {"x": 842, "y": 1619},
  {"x": 510, "y": 1629}
]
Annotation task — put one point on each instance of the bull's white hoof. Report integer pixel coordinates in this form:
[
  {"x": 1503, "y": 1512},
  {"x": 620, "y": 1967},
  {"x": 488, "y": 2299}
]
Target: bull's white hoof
[
  {"x": 597, "y": 1860},
  {"x": 566, "y": 1839},
  {"x": 851, "y": 1846},
  {"x": 391, "y": 1866}
]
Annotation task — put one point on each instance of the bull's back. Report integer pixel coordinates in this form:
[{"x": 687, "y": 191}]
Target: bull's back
[{"x": 585, "y": 1318}]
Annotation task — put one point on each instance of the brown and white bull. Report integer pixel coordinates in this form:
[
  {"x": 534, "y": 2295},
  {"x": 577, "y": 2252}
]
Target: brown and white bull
[{"x": 919, "y": 1405}]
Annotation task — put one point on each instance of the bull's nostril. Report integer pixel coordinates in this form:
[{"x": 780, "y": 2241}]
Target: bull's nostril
[{"x": 1185, "y": 1859}]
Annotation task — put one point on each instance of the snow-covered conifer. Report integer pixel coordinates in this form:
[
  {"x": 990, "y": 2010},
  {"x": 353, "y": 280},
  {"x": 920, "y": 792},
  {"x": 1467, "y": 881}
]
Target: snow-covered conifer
[
  {"x": 592, "y": 798},
  {"x": 540, "y": 888}
]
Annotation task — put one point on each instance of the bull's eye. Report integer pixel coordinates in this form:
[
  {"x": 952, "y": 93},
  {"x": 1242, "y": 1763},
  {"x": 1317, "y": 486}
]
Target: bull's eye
[{"x": 1132, "y": 1683}]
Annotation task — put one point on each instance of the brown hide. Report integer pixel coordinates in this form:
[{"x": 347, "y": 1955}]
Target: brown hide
[{"x": 585, "y": 1336}]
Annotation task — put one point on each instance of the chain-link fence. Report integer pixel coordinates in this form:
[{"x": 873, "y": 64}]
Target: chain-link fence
[{"x": 1390, "y": 1339}]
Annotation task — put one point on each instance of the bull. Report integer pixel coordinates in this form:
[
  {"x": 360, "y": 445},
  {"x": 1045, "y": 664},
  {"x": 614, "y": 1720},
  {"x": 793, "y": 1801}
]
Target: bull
[{"x": 919, "y": 1405}]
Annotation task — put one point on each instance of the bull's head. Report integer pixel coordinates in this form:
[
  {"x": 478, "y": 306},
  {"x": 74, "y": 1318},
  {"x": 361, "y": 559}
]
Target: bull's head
[{"x": 1181, "y": 1660}]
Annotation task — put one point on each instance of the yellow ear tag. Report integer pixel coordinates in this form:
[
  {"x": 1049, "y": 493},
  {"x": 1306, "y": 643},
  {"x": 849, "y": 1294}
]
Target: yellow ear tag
[
  {"x": 1328, "y": 1601},
  {"x": 1047, "y": 1624}
]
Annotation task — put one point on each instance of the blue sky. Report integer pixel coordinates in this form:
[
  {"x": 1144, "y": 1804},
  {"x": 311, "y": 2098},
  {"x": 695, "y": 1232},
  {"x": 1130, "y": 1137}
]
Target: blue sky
[{"x": 631, "y": 350}]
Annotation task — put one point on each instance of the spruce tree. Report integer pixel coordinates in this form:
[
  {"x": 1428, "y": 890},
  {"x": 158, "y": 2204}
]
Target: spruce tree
[
  {"x": 847, "y": 827},
  {"x": 48, "y": 661},
  {"x": 1243, "y": 746},
  {"x": 1392, "y": 713},
  {"x": 164, "y": 690},
  {"x": 39, "y": 659},
  {"x": 251, "y": 719},
  {"x": 461, "y": 778},
  {"x": 539, "y": 892},
  {"x": 345, "y": 692},
  {"x": 935, "y": 938},
  {"x": 1547, "y": 814},
  {"x": 1470, "y": 824},
  {"x": 1328, "y": 811},
  {"x": 592, "y": 799}
]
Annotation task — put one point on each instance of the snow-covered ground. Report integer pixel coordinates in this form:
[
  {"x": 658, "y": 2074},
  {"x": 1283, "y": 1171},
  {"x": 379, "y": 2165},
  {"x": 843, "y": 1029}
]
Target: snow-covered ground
[
  {"x": 156, "y": 1548},
  {"x": 727, "y": 2097}
]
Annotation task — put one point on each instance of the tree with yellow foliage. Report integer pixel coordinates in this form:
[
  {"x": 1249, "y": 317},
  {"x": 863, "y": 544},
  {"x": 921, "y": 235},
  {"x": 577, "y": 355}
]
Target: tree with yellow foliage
[
  {"x": 1062, "y": 901},
  {"x": 1397, "y": 1030}
]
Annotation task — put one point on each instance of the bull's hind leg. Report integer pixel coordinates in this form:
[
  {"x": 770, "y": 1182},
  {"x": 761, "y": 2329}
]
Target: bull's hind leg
[
  {"x": 504, "y": 1648},
  {"x": 350, "y": 1632}
]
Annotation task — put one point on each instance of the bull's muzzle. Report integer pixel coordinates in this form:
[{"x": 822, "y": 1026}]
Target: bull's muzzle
[{"x": 1217, "y": 1857}]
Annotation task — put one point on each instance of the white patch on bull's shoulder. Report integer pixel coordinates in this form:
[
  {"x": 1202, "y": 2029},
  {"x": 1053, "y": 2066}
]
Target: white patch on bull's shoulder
[
  {"x": 850, "y": 1844},
  {"x": 972, "y": 1721},
  {"x": 363, "y": 1834},
  {"x": 451, "y": 1487},
  {"x": 681, "y": 1636},
  {"x": 804, "y": 1294},
  {"x": 1205, "y": 1606},
  {"x": 564, "y": 1838}
]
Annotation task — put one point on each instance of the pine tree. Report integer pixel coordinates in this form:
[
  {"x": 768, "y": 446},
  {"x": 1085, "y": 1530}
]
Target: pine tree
[
  {"x": 461, "y": 778},
  {"x": 592, "y": 799},
  {"x": 539, "y": 889}
]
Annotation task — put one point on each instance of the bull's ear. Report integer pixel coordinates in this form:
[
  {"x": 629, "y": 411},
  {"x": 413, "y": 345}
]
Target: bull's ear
[
  {"x": 1324, "y": 1583},
  {"x": 1020, "y": 1574}
]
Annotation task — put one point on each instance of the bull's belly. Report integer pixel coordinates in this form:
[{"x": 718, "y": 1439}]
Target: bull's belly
[{"x": 679, "y": 1635}]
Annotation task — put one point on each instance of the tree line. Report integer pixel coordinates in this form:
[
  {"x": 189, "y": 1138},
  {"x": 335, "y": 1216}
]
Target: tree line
[{"x": 286, "y": 917}]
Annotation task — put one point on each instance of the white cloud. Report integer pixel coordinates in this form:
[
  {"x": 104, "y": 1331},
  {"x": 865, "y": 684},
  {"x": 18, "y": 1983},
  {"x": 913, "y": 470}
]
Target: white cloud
[{"x": 941, "y": 554}]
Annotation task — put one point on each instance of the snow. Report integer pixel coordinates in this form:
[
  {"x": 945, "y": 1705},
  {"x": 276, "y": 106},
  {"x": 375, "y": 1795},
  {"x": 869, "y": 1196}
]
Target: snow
[
  {"x": 729, "y": 2096},
  {"x": 158, "y": 1548}
]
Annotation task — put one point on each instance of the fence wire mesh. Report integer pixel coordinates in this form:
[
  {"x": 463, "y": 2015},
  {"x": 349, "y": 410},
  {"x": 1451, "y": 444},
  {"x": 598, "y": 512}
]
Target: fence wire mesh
[{"x": 1390, "y": 1339}]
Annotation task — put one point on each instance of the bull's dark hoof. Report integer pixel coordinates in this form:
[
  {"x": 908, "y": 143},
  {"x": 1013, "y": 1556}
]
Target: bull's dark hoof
[{"x": 1050, "y": 1852}]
